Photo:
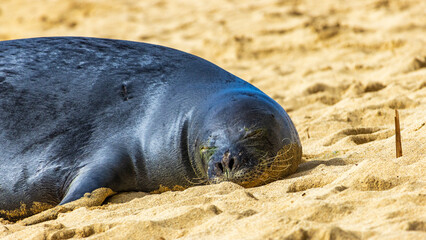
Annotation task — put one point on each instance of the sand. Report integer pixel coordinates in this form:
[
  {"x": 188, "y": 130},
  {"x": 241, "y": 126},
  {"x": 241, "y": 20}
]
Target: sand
[{"x": 339, "y": 68}]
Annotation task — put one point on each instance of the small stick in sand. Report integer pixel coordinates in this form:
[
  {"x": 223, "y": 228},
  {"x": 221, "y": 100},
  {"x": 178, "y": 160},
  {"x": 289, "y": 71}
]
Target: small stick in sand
[
  {"x": 397, "y": 135},
  {"x": 307, "y": 131}
]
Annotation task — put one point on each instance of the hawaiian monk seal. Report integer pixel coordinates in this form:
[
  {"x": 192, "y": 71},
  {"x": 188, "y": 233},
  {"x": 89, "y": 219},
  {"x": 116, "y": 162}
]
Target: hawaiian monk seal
[{"x": 78, "y": 114}]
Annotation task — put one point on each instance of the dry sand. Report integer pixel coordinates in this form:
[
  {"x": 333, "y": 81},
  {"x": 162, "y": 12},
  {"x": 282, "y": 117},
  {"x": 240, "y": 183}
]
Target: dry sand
[{"x": 338, "y": 67}]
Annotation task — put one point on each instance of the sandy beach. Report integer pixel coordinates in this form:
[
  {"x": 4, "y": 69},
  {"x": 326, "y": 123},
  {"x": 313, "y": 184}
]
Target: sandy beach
[{"x": 339, "y": 68}]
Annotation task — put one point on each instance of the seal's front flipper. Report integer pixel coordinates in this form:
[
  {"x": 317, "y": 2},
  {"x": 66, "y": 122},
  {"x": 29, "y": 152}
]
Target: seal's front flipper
[
  {"x": 95, "y": 198},
  {"x": 87, "y": 181},
  {"x": 113, "y": 169}
]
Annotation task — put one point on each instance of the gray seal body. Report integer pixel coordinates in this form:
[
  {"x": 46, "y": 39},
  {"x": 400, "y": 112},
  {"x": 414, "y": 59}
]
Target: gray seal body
[{"x": 77, "y": 114}]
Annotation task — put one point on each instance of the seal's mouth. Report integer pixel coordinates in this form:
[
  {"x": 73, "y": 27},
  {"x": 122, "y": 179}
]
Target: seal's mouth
[
  {"x": 249, "y": 157},
  {"x": 251, "y": 172}
]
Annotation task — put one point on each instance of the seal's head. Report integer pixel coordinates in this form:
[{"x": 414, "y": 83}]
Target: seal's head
[{"x": 250, "y": 140}]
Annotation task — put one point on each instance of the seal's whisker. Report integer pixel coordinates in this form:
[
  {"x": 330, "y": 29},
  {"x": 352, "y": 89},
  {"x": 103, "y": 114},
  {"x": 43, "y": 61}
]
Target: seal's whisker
[{"x": 201, "y": 181}]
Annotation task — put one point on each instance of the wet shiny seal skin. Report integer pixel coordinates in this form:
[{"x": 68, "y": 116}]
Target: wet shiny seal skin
[{"x": 78, "y": 114}]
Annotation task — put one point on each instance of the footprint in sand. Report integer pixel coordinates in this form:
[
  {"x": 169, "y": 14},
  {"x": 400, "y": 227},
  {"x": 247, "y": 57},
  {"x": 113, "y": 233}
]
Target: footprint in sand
[
  {"x": 59, "y": 231},
  {"x": 359, "y": 135}
]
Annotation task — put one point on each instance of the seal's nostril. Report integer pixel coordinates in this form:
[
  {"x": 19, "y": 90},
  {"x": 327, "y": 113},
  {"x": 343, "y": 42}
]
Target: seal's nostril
[
  {"x": 220, "y": 167},
  {"x": 231, "y": 163}
]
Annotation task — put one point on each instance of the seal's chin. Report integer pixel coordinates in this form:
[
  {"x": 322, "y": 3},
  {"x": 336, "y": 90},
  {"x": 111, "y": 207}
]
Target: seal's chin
[
  {"x": 238, "y": 177},
  {"x": 247, "y": 177},
  {"x": 251, "y": 177}
]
